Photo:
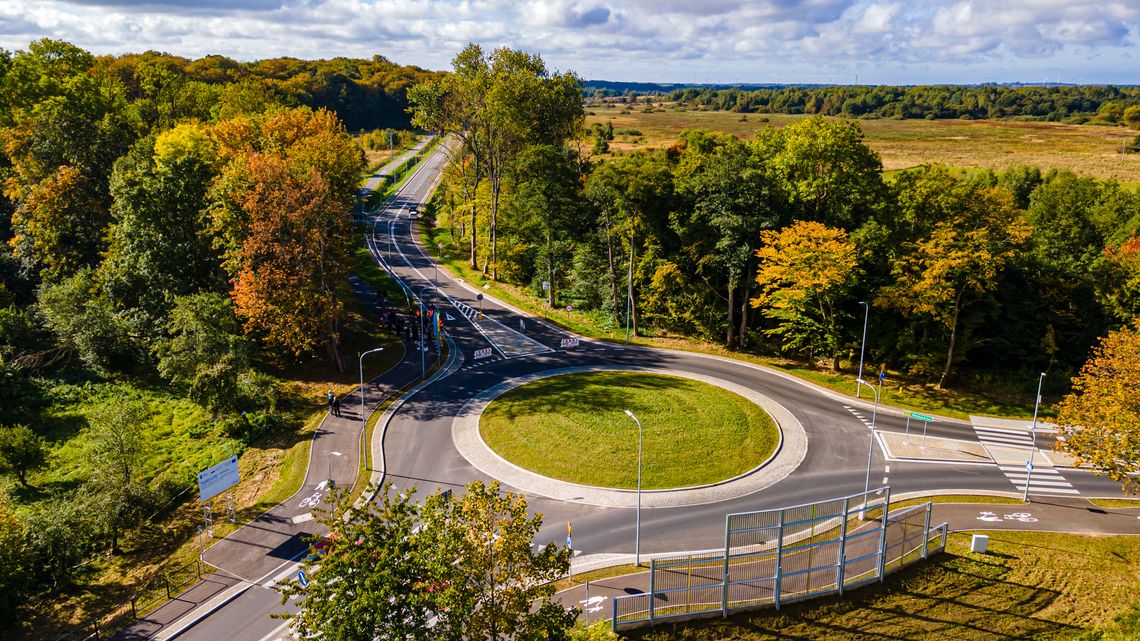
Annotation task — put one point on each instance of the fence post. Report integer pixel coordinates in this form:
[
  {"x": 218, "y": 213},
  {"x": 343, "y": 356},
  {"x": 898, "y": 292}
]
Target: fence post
[
  {"x": 134, "y": 612},
  {"x": 613, "y": 619},
  {"x": 841, "y": 568},
  {"x": 727, "y": 542},
  {"x": 883, "y": 536},
  {"x": 926, "y": 532},
  {"x": 166, "y": 582},
  {"x": 652, "y": 577},
  {"x": 779, "y": 562}
]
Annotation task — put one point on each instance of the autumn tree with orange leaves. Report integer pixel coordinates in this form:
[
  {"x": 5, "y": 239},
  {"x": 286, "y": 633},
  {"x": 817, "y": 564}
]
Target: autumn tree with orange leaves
[{"x": 1100, "y": 419}]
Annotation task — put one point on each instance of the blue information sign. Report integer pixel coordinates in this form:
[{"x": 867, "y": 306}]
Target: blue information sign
[
  {"x": 214, "y": 480},
  {"x": 302, "y": 578}
]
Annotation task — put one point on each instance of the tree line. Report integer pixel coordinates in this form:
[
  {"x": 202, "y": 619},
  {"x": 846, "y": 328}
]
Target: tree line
[
  {"x": 1067, "y": 103},
  {"x": 169, "y": 224}
]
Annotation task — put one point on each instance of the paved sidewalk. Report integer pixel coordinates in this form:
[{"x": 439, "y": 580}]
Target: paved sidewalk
[
  {"x": 210, "y": 587},
  {"x": 261, "y": 548}
]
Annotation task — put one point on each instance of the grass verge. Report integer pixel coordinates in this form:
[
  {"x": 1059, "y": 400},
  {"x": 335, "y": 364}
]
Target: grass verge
[
  {"x": 1115, "y": 503},
  {"x": 958, "y": 498},
  {"x": 1030, "y": 586},
  {"x": 572, "y": 428}
]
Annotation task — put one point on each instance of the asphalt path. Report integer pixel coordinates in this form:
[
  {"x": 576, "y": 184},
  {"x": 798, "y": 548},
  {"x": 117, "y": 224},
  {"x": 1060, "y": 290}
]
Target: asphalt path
[{"x": 419, "y": 452}]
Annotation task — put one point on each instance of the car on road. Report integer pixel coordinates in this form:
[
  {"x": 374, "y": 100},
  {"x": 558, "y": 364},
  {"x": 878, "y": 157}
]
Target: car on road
[{"x": 414, "y": 212}]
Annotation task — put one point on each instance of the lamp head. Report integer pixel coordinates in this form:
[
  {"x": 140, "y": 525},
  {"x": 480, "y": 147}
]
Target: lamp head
[{"x": 629, "y": 414}]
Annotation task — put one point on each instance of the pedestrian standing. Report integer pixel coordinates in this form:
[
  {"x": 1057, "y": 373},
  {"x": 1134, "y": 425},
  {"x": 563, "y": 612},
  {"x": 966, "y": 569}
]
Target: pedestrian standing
[
  {"x": 330, "y": 398},
  {"x": 336, "y": 407}
]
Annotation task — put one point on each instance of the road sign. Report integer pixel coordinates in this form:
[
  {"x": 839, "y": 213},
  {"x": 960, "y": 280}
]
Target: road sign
[
  {"x": 569, "y": 342},
  {"x": 920, "y": 417},
  {"x": 568, "y": 542},
  {"x": 478, "y": 297},
  {"x": 1029, "y": 465},
  {"x": 302, "y": 578},
  {"x": 545, "y": 285},
  {"x": 212, "y": 481},
  {"x": 483, "y": 353},
  {"x": 569, "y": 308}
]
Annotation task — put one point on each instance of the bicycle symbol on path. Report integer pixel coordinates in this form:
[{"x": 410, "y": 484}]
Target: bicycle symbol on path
[
  {"x": 315, "y": 499},
  {"x": 990, "y": 517}
]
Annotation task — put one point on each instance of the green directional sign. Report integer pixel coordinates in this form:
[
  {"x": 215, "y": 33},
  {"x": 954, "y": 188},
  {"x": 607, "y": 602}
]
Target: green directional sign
[{"x": 920, "y": 417}]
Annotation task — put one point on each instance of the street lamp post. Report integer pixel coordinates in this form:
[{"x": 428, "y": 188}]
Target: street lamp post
[
  {"x": 863, "y": 345},
  {"x": 438, "y": 258},
  {"x": 332, "y": 483},
  {"x": 378, "y": 349},
  {"x": 423, "y": 338},
  {"x": 1033, "y": 431},
  {"x": 637, "y": 529},
  {"x": 871, "y": 443}
]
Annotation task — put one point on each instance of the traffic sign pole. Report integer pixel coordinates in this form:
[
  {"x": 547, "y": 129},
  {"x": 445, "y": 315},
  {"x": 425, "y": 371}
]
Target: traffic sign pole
[{"x": 906, "y": 436}]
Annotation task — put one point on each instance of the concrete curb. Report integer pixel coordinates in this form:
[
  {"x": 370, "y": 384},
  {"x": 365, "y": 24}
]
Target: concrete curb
[{"x": 789, "y": 453}]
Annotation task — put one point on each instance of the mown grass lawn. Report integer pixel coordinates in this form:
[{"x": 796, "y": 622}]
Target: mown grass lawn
[
  {"x": 1038, "y": 586},
  {"x": 572, "y": 427}
]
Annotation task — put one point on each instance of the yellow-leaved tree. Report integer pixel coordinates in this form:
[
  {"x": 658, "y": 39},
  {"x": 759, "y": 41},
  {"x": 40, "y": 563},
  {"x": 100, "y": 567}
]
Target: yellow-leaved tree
[
  {"x": 804, "y": 269},
  {"x": 1100, "y": 418}
]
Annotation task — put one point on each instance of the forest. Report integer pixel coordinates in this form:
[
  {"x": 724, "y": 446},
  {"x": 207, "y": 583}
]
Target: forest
[
  {"x": 774, "y": 245},
  {"x": 1076, "y": 104},
  {"x": 174, "y": 241}
]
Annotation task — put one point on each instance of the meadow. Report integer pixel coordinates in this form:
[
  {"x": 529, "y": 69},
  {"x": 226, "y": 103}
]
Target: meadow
[{"x": 1089, "y": 150}]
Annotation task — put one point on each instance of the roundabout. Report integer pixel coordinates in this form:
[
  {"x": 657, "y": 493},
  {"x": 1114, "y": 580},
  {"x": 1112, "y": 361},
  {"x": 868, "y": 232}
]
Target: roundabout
[
  {"x": 764, "y": 454},
  {"x": 573, "y": 428}
]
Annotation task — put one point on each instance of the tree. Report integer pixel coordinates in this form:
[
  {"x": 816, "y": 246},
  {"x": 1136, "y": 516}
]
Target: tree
[
  {"x": 160, "y": 246},
  {"x": 1100, "y": 418},
  {"x": 115, "y": 493},
  {"x": 294, "y": 262},
  {"x": 84, "y": 323},
  {"x": 732, "y": 195},
  {"x": 57, "y": 225},
  {"x": 496, "y": 586},
  {"x": 975, "y": 232},
  {"x": 390, "y": 566},
  {"x": 803, "y": 271},
  {"x": 826, "y": 171},
  {"x": 206, "y": 352},
  {"x": 375, "y": 578},
  {"x": 547, "y": 202},
  {"x": 21, "y": 451}
]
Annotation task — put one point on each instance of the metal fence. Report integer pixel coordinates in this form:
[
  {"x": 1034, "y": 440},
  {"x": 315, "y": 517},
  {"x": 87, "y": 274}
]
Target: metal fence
[{"x": 779, "y": 556}]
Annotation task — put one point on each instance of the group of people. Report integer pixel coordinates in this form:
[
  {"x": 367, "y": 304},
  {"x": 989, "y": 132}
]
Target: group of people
[{"x": 334, "y": 404}]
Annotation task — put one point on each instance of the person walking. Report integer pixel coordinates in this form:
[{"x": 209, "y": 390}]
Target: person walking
[
  {"x": 336, "y": 407},
  {"x": 329, "y": 396}
]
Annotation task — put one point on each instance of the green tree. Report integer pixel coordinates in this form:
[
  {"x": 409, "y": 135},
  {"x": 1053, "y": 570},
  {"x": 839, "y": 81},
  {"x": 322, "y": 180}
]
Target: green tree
[
  {"x": 206, "y": 352},
  {"x": 731, "y": 194},
  {"x": 804, "y": 271},
  {"x": 547, "y": 201},
  {"x": 21, "y": 451},
  {"x": 496, "y": 585},
  {"x": 1100, "y": 419},
  {"x": 974, "y": 233},
  {"x": 115, "y": 491},
  {"x": 84, "y": 324},
  {"x": 824, "y": 169},
  {"x": 160, "y": 247},
  {"x": 390, "y": 565},
  {"x": 375, "y": 578}
]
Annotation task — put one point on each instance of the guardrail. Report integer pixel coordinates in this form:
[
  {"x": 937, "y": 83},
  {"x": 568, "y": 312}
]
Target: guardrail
[{"x": 790, "y": 554}]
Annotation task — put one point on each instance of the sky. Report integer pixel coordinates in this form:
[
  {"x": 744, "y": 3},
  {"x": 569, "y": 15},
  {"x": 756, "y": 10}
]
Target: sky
[{"x": 681, "y": 41}]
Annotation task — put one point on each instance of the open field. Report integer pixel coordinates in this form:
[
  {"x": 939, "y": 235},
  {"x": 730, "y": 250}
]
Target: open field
[
  {"x": 972, "y": 144},
  {"x": 694, "y": 433},
  {"x": 1030, "y": 586}
]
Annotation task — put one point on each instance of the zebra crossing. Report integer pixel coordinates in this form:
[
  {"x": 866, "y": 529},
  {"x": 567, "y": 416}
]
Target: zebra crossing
[
  {"x": 468, "y": 311},
  {"x": 1043, "y": 480}
]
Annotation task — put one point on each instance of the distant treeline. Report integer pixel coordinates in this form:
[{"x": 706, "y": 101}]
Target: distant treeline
[
  {"x": 1077, "y": 104},
  {"x": 364, "y": 93}
]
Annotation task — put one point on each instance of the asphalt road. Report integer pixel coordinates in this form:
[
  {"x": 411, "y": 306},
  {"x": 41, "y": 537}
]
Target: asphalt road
[{"x": 419, "y": 450}]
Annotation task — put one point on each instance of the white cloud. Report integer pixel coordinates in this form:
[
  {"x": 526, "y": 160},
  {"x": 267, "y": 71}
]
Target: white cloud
[{"x": 667, "y": 40}]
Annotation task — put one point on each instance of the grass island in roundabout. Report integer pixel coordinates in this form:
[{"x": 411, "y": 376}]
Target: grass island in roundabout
[{"x": 573, "y": 428}]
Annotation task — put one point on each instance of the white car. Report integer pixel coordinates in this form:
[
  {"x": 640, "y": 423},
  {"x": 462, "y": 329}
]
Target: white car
[{"x": 414, "y": 212}]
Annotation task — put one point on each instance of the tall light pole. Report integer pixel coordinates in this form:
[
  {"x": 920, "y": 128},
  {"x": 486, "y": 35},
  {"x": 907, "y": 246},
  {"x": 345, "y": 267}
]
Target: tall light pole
[
  {"x": 871, "y": 443},
  {"x": 863, "y": 345},
  {"x": 1033, "y": 431},
  {"x": 423, "y": 338},
  {"x": 332, "y": 483},
  {"x": 378, "y": 349},
  {"x": 637, "y": 529}
]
